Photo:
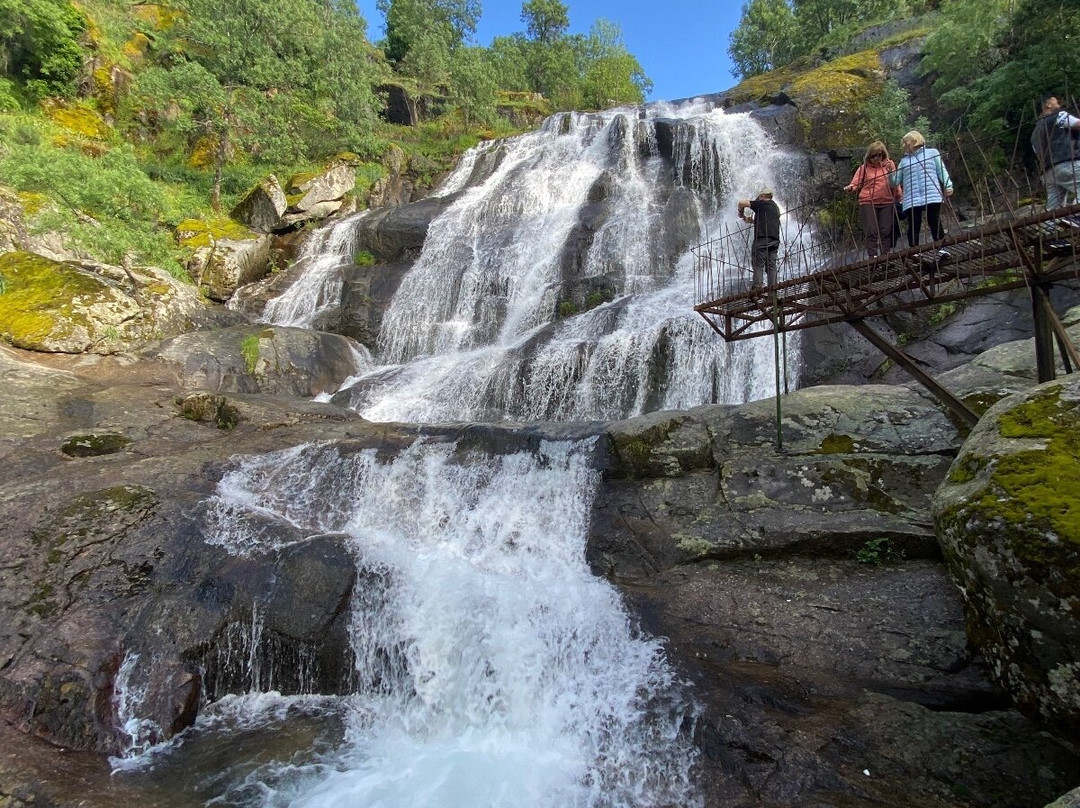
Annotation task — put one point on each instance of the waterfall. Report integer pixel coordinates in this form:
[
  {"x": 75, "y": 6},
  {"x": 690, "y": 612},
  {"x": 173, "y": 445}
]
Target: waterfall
[
  {"x": 323, "y": 257},
  {"x": 494, "y": 669},
  {"x": 560, "y": 286}
]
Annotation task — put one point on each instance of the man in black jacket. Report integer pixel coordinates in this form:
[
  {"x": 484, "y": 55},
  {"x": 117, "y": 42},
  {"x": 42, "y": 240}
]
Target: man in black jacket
[
  {"x": 1056, "y": 140},
  {"x": 766, "y": 234}
]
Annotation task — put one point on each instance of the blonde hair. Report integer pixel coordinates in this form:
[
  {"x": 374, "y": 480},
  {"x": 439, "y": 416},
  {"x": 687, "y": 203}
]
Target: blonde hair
[
  {"x": 875, "y": 148},
  {"x": 914, "y": 139}
]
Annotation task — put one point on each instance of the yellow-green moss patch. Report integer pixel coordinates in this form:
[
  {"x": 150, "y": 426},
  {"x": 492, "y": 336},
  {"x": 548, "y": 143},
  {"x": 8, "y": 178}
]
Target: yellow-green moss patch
[
  {"x": 837, "y": 444},
  {"x": 78, "y": 118},
  {"x": 38, "y": 297},
  {"x": 1040, "y": 486},
  {"x": 249, "y": 349},
  {"x": 195, "y": 233}
]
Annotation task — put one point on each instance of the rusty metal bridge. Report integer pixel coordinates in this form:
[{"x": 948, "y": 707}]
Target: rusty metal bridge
[{"x": 822, "y": 280}]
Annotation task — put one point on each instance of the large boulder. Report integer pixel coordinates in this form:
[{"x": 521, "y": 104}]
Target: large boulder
[
  {"x": 225, "y": 255},
  {"x": 395, "y": 233},
  {"x": 1009, "y": 522},
  {"x": 307, "y": 190},
  {"x": 262, "y": 207},
  {"x": 83, "y": 306},
  {"x": 261, "y": 359},
  {"x": 857, "y": 466}
]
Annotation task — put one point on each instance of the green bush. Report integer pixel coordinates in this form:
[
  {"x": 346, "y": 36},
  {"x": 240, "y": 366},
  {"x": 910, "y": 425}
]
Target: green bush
[
  {"x": 105, "y": 205},
  {"x": 39, "y": 44},
  {"x": 878, "y": 551}
]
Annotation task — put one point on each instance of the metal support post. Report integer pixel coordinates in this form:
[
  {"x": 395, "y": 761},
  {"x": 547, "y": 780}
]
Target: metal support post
[{"x": 955, "y": 405}]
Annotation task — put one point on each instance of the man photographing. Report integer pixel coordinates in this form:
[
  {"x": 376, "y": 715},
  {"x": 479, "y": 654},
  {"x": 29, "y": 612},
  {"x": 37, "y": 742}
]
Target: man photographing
[{"x": 766, "y": 221}]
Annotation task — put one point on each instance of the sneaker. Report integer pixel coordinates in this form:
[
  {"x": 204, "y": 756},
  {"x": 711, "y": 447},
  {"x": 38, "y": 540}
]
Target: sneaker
[{"x": 1061, "y": 247}]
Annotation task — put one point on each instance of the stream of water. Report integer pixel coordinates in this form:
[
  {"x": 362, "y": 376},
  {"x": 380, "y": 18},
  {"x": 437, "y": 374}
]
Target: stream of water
[{"x": 493, "y": 669}]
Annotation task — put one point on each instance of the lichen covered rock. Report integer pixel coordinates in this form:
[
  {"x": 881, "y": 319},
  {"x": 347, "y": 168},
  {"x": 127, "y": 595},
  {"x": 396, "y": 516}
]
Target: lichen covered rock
[
  {"x": 262, "y": 207},
  {"x": 225, "y": 255},
  {"x": 307, "y": 190},
  {"x": 1008, "y": 517},
  {"x": 85, "y": 307}
]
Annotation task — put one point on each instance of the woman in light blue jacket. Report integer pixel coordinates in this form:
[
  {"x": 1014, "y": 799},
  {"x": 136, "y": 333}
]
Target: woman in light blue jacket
[{"x": 925, "y": 183}]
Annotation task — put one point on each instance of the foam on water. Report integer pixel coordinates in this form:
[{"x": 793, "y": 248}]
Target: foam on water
[{"x": 495, "y": 669}]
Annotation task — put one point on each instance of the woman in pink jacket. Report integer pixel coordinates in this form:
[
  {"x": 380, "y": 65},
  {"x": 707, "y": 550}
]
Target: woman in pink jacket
[{"x": 876, "y": 198}]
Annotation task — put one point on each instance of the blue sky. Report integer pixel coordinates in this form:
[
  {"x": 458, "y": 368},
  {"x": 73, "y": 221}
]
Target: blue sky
[{"x": 682, "y": 44}]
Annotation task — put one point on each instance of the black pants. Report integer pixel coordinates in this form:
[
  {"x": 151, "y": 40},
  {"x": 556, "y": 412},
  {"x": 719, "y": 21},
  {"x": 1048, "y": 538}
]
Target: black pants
[{"x": 913, "y": 219}]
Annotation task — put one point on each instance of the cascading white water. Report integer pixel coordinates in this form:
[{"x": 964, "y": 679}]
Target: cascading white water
[
  {"x": 479, "y": 328},
  {"x": 319, "y": 286},
  {"x": 495, "y": 669}
]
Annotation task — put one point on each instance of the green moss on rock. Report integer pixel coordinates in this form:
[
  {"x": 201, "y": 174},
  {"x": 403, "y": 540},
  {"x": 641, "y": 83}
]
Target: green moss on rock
[
  {"x": 94, "y": 444},
  {"x": 1041, "y": 486},
  {"x": 837, "y": 444},
  {"x": 196, "y": 233},
  {"x": 37, "y": 303},
  {"x": 967, "y": 469}
]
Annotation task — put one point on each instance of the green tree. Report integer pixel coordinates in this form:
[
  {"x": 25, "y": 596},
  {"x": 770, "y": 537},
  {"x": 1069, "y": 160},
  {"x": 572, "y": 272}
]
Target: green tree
[
  {"x": 39, "y": 44},
  {"x": 408, "y": 22},
  {"x": 246, "y": 58},
  {"x": 553, "y": 71},
  {"x": 764, "y": 39},
  {"x": 612, "y": 76},
  {"x": 964, "y": 42},
  {"x": 473, "y": 85},
  {"x": 545, "y": 21},
  {"x": 773, "y": 33},
  {"x": 510, "y": 61},
  {"x": 1028, "y": 57}
]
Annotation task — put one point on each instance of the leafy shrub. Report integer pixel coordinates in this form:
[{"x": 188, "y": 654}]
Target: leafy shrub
[
  {"x": 39, "y": 43},
  {"x": 878, "y": 551}
]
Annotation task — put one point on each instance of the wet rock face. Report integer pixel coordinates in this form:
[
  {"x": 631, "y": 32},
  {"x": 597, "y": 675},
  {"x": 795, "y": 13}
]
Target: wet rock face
[
  {"x": 1007, "y": 517},
  {"x": 394, "y": 233},
  {"x": 110, "y": 591}
]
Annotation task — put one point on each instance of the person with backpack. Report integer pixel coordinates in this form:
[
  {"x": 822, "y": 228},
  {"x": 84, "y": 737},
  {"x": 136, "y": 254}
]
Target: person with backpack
[{"x": 1055, "y": 141}]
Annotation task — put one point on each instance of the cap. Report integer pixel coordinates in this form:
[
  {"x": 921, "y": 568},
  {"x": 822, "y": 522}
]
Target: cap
[{"x": 765, "y": 192}]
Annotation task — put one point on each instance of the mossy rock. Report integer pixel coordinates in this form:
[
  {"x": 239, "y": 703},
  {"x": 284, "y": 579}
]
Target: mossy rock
[
  {"x": 225, "y": 255},
  {"x": 94, "y": 444},
  {"x": 85, "y": 307},
  {"x": 202, "y": 154},
  {"x": 659, "y": 445},
  {"x": 78, "y": 118},
  {"x": 205, "y": 407},
  {"x": 136, "y": 48},
  {"x": 54, "y": 307},
  {"x": 195, "y": 233},
  {"x": 830, "y": 98},
  {"x": 1008, "y": 518}
]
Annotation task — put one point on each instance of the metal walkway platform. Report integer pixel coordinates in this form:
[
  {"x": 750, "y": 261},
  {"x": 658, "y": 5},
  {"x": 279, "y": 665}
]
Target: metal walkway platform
[{"x": 1034, "y": 250}]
